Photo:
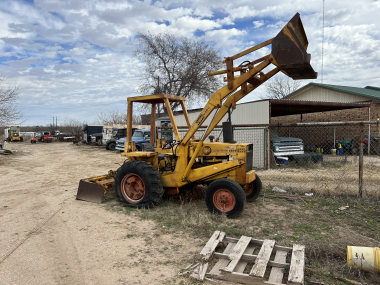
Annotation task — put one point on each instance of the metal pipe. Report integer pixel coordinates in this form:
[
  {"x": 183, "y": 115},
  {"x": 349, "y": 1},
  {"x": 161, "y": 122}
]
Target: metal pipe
[
  {"x": 361, "y": 161},
  {"x": 334, "y": 136},
  {"x": 369, "y": 130}
]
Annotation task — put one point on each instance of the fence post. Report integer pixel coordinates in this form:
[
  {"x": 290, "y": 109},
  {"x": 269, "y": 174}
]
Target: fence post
[{"x": 361, "y": 161}]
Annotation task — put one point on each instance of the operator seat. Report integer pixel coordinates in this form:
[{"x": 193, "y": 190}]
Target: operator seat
[{"x": 149, "y": 148}]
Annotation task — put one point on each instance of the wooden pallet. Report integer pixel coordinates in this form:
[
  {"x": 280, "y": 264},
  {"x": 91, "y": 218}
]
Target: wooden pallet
[{"x": 239, "y": 252}]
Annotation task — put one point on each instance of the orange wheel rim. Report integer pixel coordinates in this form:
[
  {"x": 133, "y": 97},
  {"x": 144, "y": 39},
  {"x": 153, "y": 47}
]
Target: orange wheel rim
[
  {"x": 248, "y": 190},
  {"x": 133, "y": 188},
  {"x": 224, "y": 200}
]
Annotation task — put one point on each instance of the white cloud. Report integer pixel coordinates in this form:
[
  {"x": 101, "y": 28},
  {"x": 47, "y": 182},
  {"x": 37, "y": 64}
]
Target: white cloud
[
  {"x": 193, "y": 24},
  {"x": 258, "y": 24},
  {"x": 77, "y": 51},
  {"x": 91, "y": 60},
  {"x": 66, "y": 53}
]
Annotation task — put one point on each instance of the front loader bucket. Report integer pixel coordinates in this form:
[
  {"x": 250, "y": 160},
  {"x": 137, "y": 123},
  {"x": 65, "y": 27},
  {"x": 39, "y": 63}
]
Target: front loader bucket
[
  {"x": 289, "y": 51},
  {"x": 93, "y": 189},
  {"x": 90, "y": 191}
]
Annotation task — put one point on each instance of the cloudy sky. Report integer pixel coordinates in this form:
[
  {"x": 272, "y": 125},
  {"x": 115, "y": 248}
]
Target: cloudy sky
[{"x": 74, "y": 58}]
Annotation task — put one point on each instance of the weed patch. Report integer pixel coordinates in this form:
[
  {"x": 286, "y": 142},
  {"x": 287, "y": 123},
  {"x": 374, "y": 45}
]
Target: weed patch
[{"x": 317, "y": 222}]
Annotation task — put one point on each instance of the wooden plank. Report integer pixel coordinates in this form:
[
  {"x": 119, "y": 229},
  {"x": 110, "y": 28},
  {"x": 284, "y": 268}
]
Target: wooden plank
[
  {"x": 261, "y": 262},
  {"x": 258, "y": 242},
  {"x": 250, "y": 257},
  {"x": 195, "y": 273},
  {"x": 277, "y": 273},
  {"x": 236, "y": 253},
  {"x": 221, "y": 262},
  {"x": 297, "y": 265},
  {"x": 242, "y": 264},
  {"x": 202, "y": 271},
  {"x": 240, "y": 278},
  {"x": 212, "y": 243}
]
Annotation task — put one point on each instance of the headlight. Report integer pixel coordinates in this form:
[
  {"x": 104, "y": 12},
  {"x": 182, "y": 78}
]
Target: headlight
[
  {"x": 276, "y": 148},
  {"x": 301, "y": 148}
]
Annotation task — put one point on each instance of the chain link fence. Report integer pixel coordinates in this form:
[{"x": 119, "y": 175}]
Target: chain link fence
[
  {"x": 332, "y": 162},
  {"x": 311, "y": 158}
]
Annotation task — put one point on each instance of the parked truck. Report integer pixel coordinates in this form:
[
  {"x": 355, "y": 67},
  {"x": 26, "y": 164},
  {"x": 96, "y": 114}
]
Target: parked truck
[
  {"x": 118, "y": 134},
  {"x": 284, "y": 148},
  {"x": 139, "y": 137}
]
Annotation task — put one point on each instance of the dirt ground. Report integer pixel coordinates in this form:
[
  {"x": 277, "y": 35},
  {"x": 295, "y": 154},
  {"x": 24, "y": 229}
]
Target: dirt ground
[{"x": 48, "y": 237}]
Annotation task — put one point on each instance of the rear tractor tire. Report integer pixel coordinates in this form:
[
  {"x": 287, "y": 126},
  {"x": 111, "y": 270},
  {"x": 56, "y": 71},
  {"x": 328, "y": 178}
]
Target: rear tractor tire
[
  {"x": 225, "y": 196},
  {"x": 253, "y": 189},
  {"x": 21, "y": 139},
  {"x": 138, "y": 184}
]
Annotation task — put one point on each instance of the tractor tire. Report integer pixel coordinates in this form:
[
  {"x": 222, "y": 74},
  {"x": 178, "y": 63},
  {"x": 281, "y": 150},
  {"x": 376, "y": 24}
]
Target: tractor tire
[
  {"x": 138, "y": 184},
  {"x": 225, "y": 196},
  {"x": 111, "y": 146},
  {"x": 253, "y": 190},
  {"x": 21, "y": 139},
  {"x": 9, "y": 139}
]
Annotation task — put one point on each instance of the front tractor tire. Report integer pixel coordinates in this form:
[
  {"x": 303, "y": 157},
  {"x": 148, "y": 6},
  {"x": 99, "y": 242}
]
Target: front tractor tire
[
  {"x": 253, "y": 189},
  {"x": 138, "y": 184},
  {"x": 225, "y": 196}
]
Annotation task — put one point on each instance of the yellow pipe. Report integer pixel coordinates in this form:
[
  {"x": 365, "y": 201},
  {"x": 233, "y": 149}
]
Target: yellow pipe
[{"x": 195, "y": 154}]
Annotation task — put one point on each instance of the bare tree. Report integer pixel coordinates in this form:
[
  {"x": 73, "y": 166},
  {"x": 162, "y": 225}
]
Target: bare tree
[
  {"x": 72, "y": 126},
  {"x": 9, "y": 113},
  {"x": 178, "y": 66},
  {"x": 280, "y": 86},
  {"x": 117, "y": 117},
  {"x": 113, "y": 117}
]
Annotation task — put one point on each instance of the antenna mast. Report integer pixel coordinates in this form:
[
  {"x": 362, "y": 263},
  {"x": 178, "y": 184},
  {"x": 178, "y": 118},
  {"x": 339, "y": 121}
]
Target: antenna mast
[{"x": 323, "y": 36}]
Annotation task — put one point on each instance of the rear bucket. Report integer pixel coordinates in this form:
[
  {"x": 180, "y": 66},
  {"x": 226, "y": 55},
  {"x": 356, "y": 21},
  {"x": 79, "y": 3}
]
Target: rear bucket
[
  {"x": 90, "y": 191},
  {"x": 289, "y": 50}
]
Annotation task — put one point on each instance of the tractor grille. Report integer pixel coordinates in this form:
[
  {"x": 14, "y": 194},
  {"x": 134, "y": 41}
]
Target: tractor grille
[{"x": 290, "y": 148}]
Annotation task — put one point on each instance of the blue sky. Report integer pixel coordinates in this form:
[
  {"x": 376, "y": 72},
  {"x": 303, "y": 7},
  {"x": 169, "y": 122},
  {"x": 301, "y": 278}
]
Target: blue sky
[{"x": 74, "y": 58}]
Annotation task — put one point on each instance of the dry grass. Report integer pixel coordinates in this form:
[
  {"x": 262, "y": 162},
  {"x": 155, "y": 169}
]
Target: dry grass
[
  {"x": 334, "y": 176},
  {"x": 316, "y": 222}
]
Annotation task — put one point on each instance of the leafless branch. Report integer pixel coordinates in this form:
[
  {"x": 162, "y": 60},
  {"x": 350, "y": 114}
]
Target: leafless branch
[
  {"x": 177, "y": 66},
  {"x": 117, "y": 117},
  {"x": 9, "y": 113},
  {"x": 280, "y": 86},
  {"x": 72, "y": 126}
]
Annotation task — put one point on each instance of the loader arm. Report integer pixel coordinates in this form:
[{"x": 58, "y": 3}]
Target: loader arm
[
  {"x": 218, "y": 96},
  {"x": 288, "y": 55},
  {"x": 234, "y": 98}
]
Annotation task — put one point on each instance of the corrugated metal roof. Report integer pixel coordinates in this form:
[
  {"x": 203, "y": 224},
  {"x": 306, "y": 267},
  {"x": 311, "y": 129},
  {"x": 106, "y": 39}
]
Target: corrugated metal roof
[{"x": 368, "y": 91}]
